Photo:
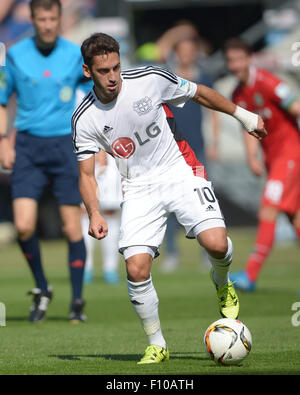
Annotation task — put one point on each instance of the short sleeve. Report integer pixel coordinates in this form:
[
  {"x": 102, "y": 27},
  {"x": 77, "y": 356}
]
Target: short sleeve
[
  {"x": 7, "y": 80},
  {"x": 85, "y": 144},
  {"x": 278, "y": 91},
  {"x": 283, "y": 95},
  {"x": 173, "y": 89}
]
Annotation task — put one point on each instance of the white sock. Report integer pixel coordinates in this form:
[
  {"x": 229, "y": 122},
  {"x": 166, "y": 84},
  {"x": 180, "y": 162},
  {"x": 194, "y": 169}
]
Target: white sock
[
  {"x": 109, "y": 245},
  {"x": 144, "y": 300},
  {"x": 88, "y": 241},
  {"x": 221, "y": 266}
]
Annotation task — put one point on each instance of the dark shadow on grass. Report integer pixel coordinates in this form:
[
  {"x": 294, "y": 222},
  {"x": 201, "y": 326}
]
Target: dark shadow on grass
[
  {"x": 25, "y": 318},
  {"x": 189, "y": 356},
  {"x": 113, "y": 357},
  {"x": 65, "y": 319},
  {"x": 127, "y": 357},
  {"x": 17, "y": 318}
]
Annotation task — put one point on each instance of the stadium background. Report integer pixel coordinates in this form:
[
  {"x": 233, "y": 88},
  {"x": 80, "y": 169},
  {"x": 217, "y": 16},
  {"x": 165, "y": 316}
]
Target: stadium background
[{"x": 270, "y": 26}]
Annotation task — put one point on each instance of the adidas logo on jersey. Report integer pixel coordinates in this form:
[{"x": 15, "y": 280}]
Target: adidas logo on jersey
[
  {"x": 210, "y": 208},
  {"x": 107, "y": 129}
]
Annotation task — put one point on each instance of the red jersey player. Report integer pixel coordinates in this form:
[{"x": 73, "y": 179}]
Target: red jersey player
[{"x": 261, "y": 92}]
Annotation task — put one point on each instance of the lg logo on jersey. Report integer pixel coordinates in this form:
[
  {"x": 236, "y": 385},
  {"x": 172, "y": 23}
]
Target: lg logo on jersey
[
  {"x": 152, "y": 131},
  {"x": 124, "y": 147}
]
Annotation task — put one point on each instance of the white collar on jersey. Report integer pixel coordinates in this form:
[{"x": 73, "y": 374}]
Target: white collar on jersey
[{"x": 252, "y": 76}]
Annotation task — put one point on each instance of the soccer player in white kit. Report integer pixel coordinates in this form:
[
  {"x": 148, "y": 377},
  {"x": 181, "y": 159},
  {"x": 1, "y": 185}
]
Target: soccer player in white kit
[{"x": 127, "y": 115}]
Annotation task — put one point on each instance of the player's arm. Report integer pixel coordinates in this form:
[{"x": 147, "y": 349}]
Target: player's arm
[
  {"x": 89, "y": 191},
  {"x": 7, "y": 152},
  {"x": 171, "y": 37},
  {"x": 252, "y": 149},
  {"x": 212, "y": 151},
  {"x": 212, "y": 99},
  {"x": 281, "y": 94}
]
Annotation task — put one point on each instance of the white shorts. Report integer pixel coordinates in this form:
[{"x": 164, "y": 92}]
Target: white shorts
[
  {"x": 109, "y": 186},
  {"x": 145, "y": 213}
]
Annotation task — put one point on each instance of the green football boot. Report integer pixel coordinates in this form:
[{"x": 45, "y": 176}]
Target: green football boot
[
  {"x": 155, "y": 354},
  {"x": 228, "y": 300}
]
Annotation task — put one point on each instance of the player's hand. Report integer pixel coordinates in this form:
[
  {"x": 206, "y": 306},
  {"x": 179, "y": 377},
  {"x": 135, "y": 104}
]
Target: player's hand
[
  {"x": 98, "y": 226},
  {"x": 256, "y": 166},
  {"x": 7, "y": 156},
  {"x": 260, "y": 132}
]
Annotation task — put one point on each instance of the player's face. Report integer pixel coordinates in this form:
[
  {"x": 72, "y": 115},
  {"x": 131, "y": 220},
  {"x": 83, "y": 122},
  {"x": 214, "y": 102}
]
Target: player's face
[
  {"x": 238, "y": 62},
  {"x": 105, "y": 73},
  {"x": 186, "y": 52},
  {"x": 47, "y": 23}
]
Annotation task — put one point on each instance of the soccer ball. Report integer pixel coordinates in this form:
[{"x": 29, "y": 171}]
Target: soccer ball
[{"x": 227, "y": 341}]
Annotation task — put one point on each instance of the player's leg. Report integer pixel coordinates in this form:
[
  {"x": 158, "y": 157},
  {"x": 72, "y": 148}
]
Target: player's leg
[
  {"x": 25, "y": 218},
  {"x": 63, "y": 173},
  {"x": 70, "y": 215},
  {"x": 278, "y": 195},
  {"x": 109, "y": 247},
  {"x": 264, "y": 241},
  {"x": 143, "y": 225},
  {"x": 197, "y": 209},
  {"x": 28, "y": 182},
  {"x": 145, "y": 301},
  {"x": 220, "y": 251},
  {"x": 281, "y": 193}
]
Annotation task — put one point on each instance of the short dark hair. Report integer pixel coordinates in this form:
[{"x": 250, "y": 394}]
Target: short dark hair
[
  {"x": 238, "y": 43},
  {"x": 98, "y": 44},
  {"x": 46, "y": 4}
]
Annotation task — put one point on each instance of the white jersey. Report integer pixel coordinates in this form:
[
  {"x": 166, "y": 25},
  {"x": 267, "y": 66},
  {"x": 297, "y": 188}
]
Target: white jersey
[{"x": 137, "y": 128}]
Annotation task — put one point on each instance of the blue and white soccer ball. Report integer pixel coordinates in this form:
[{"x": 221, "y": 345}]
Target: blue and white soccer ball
[{"x": 227, "y": 341}]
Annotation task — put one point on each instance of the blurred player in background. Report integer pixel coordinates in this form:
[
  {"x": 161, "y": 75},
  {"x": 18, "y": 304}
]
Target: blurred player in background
[
  {"x": 110, "y": 197},
  {"x": 190, "y": 120},
  {"x": 127, "y": 115},
  {"x": 262, "y": 92},
  {"x": 44, "y": 71},
  {"x": 14, "y": 20}
]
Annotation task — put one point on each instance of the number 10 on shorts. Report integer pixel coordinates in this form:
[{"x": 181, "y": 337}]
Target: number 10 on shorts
[{"x": 205, "y": 193}]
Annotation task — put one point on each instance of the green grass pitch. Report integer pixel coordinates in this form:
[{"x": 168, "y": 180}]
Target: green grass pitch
[{"x": 112, "y": 340}]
